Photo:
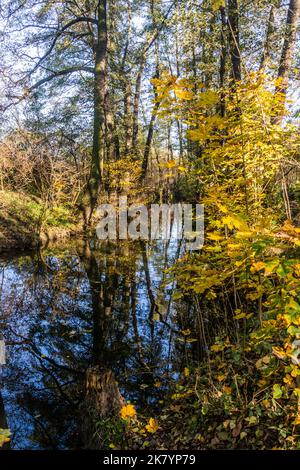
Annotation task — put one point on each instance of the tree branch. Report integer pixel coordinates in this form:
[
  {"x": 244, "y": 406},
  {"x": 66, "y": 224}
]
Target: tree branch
[
  {"x": 59, "y": 73},
  {"x": 59, "y": 33}
]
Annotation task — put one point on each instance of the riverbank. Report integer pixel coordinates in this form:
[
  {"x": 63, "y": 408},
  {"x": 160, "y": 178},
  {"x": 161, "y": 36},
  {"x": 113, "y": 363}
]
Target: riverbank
[{"x": 26, "y": 222}]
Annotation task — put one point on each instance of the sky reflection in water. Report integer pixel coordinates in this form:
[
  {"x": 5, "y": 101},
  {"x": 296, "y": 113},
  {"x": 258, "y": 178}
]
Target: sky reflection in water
[{"x": 67, "y": 307}]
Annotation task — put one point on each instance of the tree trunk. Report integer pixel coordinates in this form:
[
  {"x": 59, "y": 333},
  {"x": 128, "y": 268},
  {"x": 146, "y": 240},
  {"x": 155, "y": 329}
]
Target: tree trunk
[
  {"x": 145, "y": 161},
  {"x": 287, "y": 55},
  {"x": 127, "y": 115},
  {"x": 234, "y": 40},
  {"x": 223, "y": 59},
  {"x": 112, "y": 143},
  {"x": 269, "y": 36},
  {"x": 100, "y": 86},
  {"x": 102, "y": 401},
  {"x": 111, "y": 138},
  {"x": 102, "y": 396},
  {"x": 136, "y": 100}
]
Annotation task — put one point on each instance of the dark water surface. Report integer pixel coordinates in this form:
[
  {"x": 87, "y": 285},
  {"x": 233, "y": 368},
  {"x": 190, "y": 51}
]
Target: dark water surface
[{"x": 69, "y": 306}]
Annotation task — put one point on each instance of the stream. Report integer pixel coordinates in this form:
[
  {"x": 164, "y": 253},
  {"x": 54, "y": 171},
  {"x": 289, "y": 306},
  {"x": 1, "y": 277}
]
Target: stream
[{"x": 68, "y": 306}]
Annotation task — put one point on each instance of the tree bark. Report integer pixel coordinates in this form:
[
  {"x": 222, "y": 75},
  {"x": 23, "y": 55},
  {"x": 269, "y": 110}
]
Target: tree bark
[
  {"x": 234, "y": 40},
  {"x": 223, "y": 56},
  {"x": 178, "y": 122},
  {"x": 287, "y": 56},
  {"x": 127, "y": 88},
  {"x": 136, "y": 100},
  {"x": 269, "y": 36},
  {"x": 111, "y": 137},
  {"x": 145, "y": 161},
  {"x": 102, "y": 401},
  {"x": 100, "y": 86},
  {"x": 127, "y": 115}
]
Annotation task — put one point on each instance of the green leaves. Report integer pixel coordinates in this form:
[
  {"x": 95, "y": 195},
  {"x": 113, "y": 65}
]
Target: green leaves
[
  {"x": 292, "y": 309},
  {"x": 277, "y": 391}
]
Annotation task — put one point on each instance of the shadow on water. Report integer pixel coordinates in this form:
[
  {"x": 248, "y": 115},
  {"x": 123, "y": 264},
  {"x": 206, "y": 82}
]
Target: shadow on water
[{"x": 76, "y": 317}]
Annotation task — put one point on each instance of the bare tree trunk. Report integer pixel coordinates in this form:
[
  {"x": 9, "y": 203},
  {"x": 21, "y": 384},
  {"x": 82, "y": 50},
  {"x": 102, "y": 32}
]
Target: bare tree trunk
[
  {"x": 179, "y": 124},
  {"x": 136, "y": 100},
  {"x": 127, "y": 88},
  {"x": 145, "y": 161},
  {"x": 127, "y": 116},
  {"x": 112, "y": 142},
  {"x": 102, "y": 395},
  {"x": 269, "y": 35},
  {"x": 223, "y": 56},
  {"x": 100, "y": 84},
  {"x": 234, "y": 40},
  {"x": 287, "y": 54}
]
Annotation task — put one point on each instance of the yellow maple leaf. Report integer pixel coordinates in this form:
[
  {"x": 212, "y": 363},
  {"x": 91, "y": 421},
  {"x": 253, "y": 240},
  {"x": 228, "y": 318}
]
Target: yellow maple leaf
[
  {"x": 152, "y": 426},
  {"x": 279, "y": 352},
  {"x": 171, "y": 164},
  {"x": 235, "y": 221},
  {"x": 221, "y": 377},
  {"x": 217, "y": 347},
  {"x": 215, "y": 236},
  {"x": 183, "y": 94},
  {"x": 257, "y": 266},
  {"x": 128, "y": 411},
  {"x": 297, "y": 420}
]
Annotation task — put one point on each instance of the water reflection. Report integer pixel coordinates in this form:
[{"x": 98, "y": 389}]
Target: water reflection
[{"x": 71, "y": 309}]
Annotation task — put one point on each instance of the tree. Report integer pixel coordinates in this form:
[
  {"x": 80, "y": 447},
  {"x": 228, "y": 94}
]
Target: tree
[
  {"x": 234, "y": 40},
  {"x": 287, "y": 54}
]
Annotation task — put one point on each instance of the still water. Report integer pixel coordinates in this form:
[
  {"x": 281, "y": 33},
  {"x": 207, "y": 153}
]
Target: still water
[{"x": 66, "y": 307}]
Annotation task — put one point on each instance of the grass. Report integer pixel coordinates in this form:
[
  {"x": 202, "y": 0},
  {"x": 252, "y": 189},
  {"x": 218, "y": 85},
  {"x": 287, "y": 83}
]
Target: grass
[{"x": 25, "y": 220}]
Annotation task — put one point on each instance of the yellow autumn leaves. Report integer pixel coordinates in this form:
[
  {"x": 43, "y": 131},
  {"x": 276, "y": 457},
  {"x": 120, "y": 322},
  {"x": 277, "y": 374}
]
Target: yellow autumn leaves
[
  {"x": 167, "y": 83},
  {"x": 128, "y": 412},
  {"x": 4, "y": 436},
  {"x": 152, "y": 426},
  {"x": 217, "y": 4}
]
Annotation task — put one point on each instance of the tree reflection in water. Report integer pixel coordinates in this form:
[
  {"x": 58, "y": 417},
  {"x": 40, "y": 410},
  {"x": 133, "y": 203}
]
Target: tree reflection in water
[{"x": 73, "y": 309}]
